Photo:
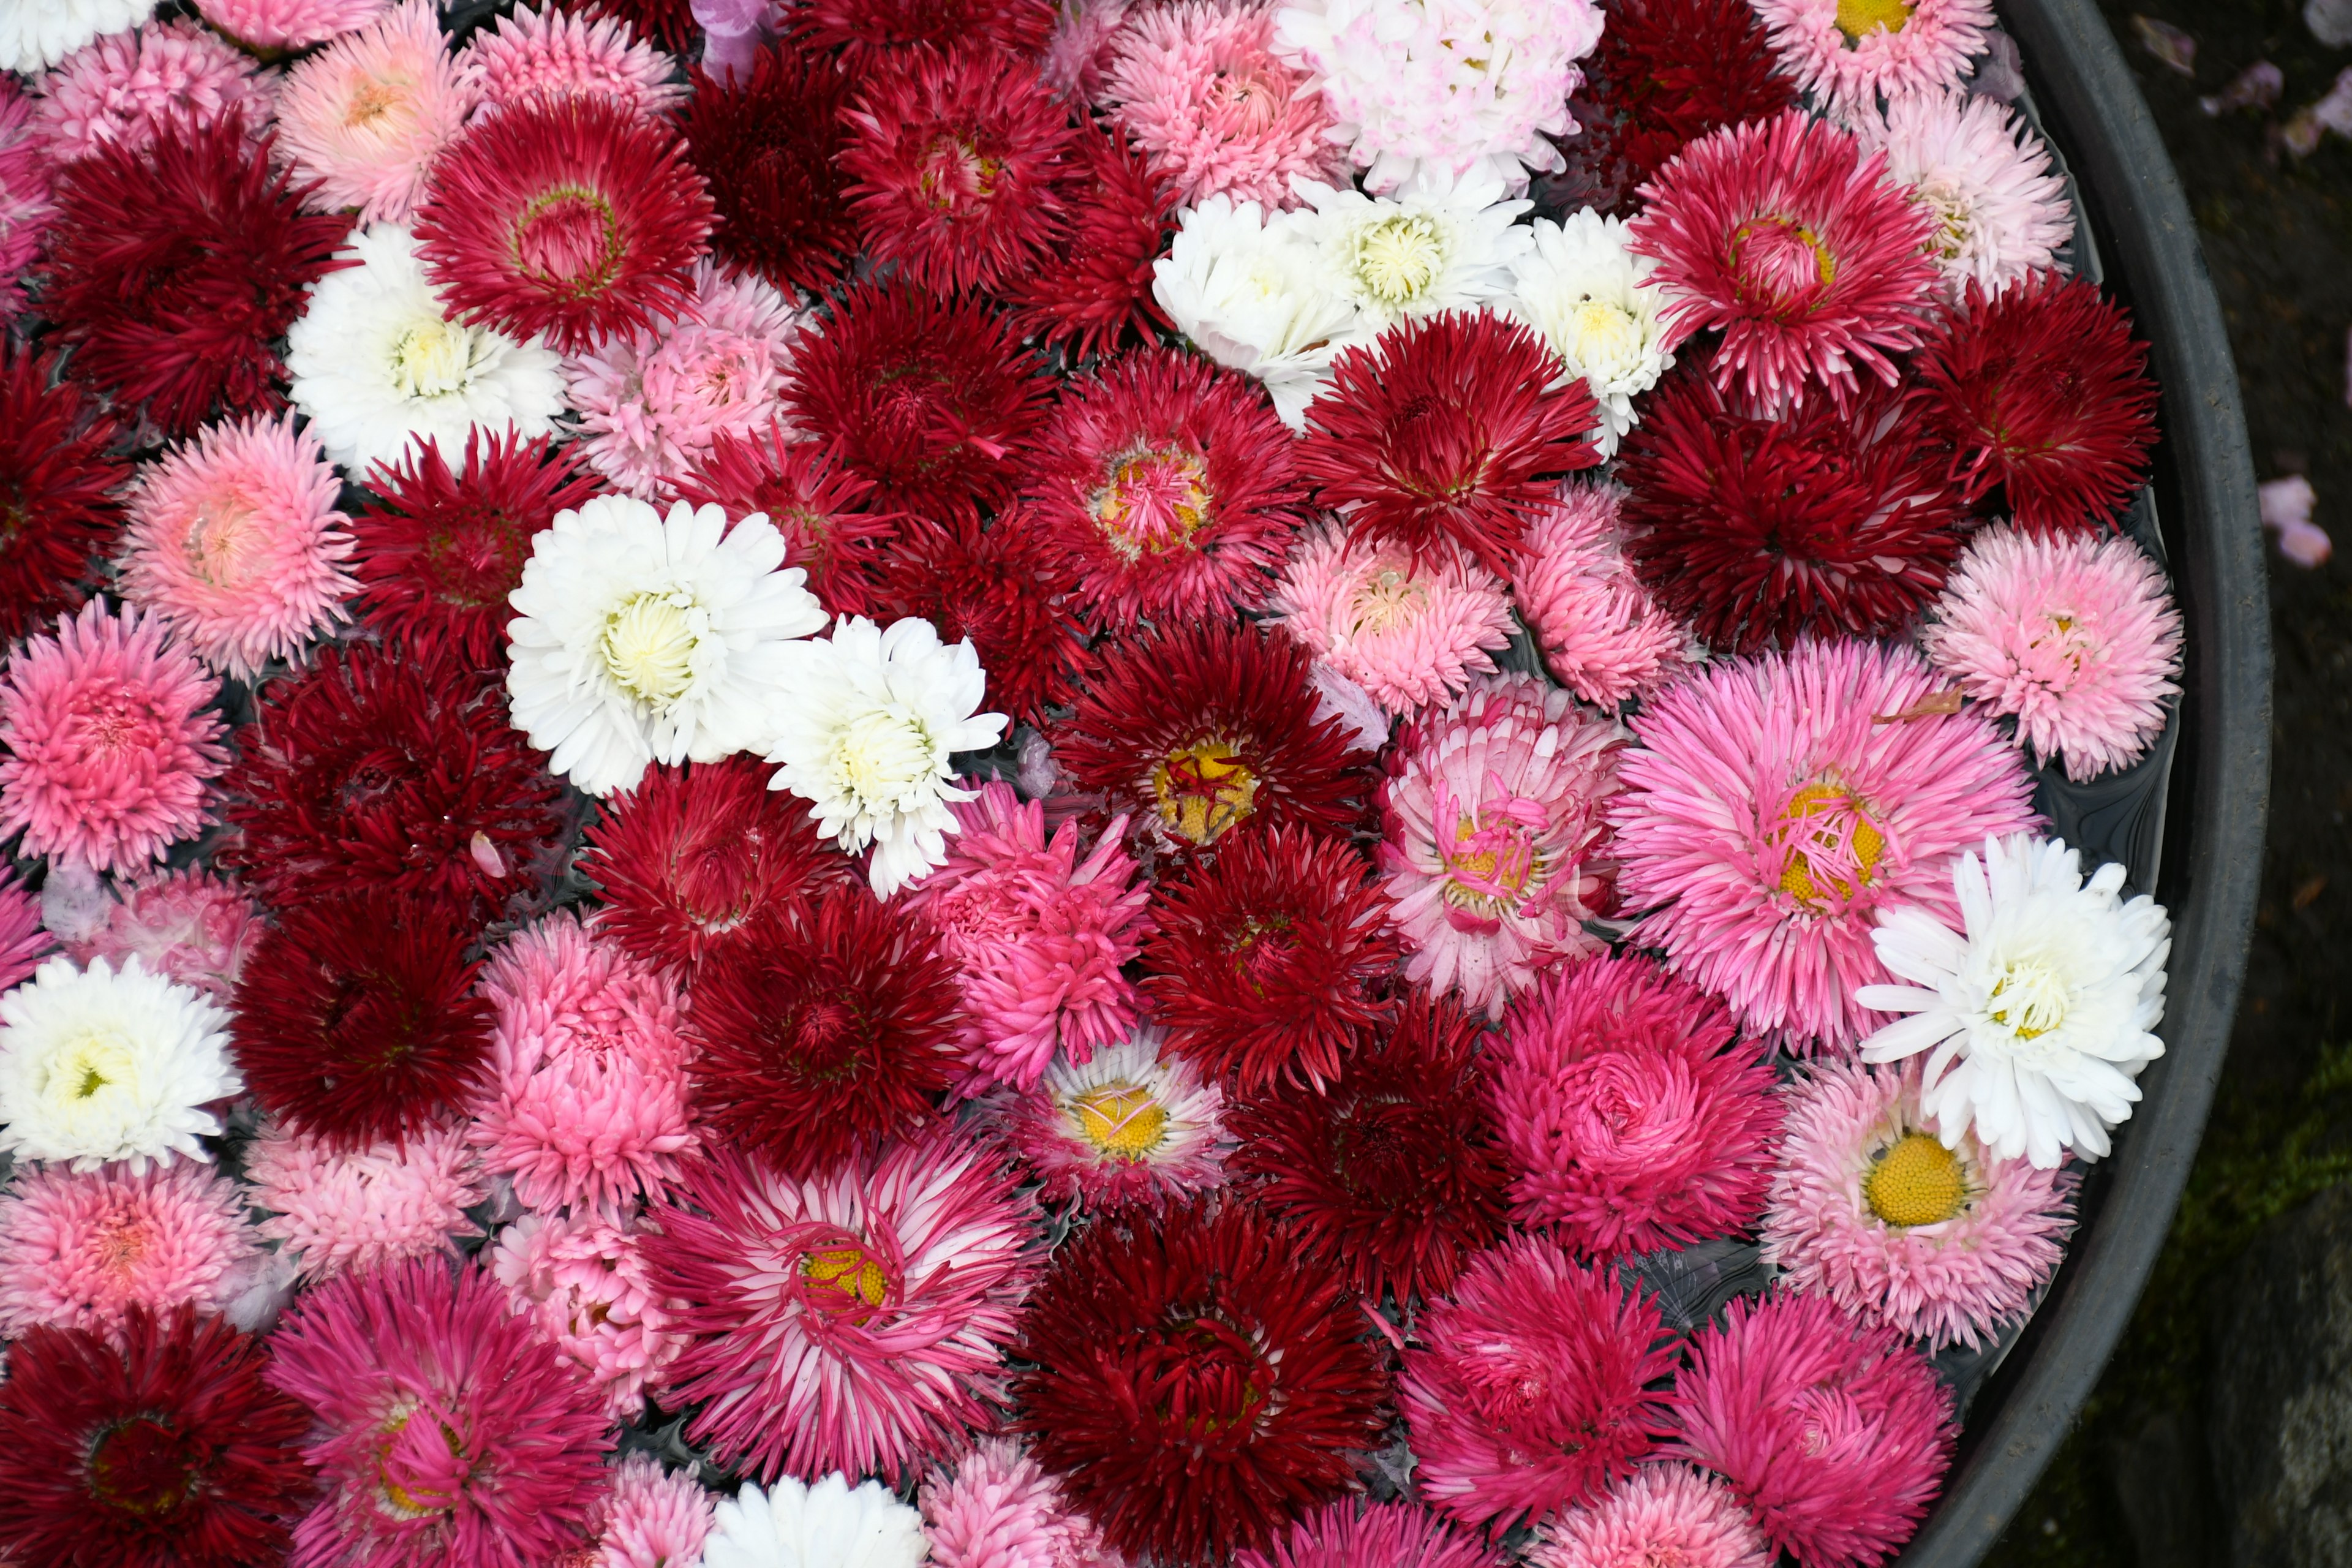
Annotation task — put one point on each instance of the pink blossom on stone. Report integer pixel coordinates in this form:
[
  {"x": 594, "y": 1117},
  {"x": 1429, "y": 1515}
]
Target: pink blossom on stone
[
  {"x": 24, "y": 941},
  {"x": 542, "y": 51},
  {"x": 580, "y": 1278},
  {"x": 339, "y": 1209},
  {"x": 188, "y": 925},
  {"x": 1213, "y": 109},
  {"x": 1599, "y": 631},
  {"x": 79, "y": 1248},
  {"x": 123, "y": 88},
  {"x": 1356, "y": 1533},
  {"x": 1410, "y": 633},
  {"x": 650, "y": 1518},
  {"x": 997, "y": 1508},
  {"x": 2287, "y": 505},
  {"x": 1852, "y": 54},
  {"x": 366, "y": 116},
  {"x": 1662, "y": 1513},
  {"x": 270, "y": 25}
]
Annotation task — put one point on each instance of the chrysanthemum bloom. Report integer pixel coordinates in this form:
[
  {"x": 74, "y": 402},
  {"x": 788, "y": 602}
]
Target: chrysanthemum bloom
[
  {"x": 24, "y": 205},
  {"x": 1003, "y": 588},
  {"x": 58, "y": 484},
  {"x": 175, "y": 267},
  {"x": 380, "y": 367},
  {"x": 159, "y": 1443},
  {"x": 106, "y": 745},
  {"x": 366, "y": 116},
  {"x": 127, "y": 86},
  {"x": 386, "y": 770},
  {"x": 1581, "y": 287},
  {"x": 287, "y": 26},
  {"x": 766, "y": 140},
  {"x": 2075, "y": 635},
  {"x": 1493, "y": 836},
  {"x": 1677, "y": 69},
  {"x": 445, "y": 1429},
  {"x": 823, "y": 510},
  {"x": 336, "y": 1207},
  {"x": 1527, "y": 1392},
  {"x": 1784, "y": 236},
  {"x": 668, "y": 23},
  {"x": 1441, "y": 90},
  {"x": 1249, "y": 288},
  {"x": 997, "y": 1509},
  {"x": 80, "y": 1249},
  {"x": 1983, "y": 177},
  {"x": 1853, "y": 51},
  {"x": 1833, "y": 1432},
  {"x": 1632, "y": 1117},
  {"x": 543, "y": 51},
  {"x": 235, "y": 541},
  {"x": 854, "y": 1319},
  {"x": 572, "y": 218},
  {"x": 2045, "y": 396},
  {"x": 22, "y": 941},
  {"x": 103, "y": 1064},
  {"x": 1409, "y": 633},
  {"x": 1600, "y": 631},
  {"x": 1132, "y": 1124},
  {"x": 1199, "y": 87},
  {"x": 1191, "y": 1386},
  {"x": 793, "y": 1525},
  {"x": 581, "y": 1279},
  {"x": 584, "y": 1102},
  {"x": 1353, "y": 1533},
  {"x": 34, "y": 36},
  {"x": 1091, "y": 294},
  {"x": 872, "y": 33},
  {"x": 1662, "y": 1512},
  {"x": 187, "y": 926},
  {"x": 1440, "y": 244},
  {"x": 648, "y": 1517},
  {"x": 1775, "y": 806}
]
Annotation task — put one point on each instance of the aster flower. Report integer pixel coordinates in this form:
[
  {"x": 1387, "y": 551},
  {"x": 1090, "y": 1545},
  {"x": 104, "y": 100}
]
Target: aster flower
[
  {"x": 1357, "y": 1534},
  {"x": 1091, "y": 294},
  {"x": 1249, "y": 290},
  {"x": 650, "y": 1518},
  {"x": 106, "y": 746},
  {"x": 22, "y": 941},
  {"x": 832, "y": 1524},
  {"x": 1853, "y": 52},
  {"x": 543, "y": 51},
  {"x": 1409, "y": 635},
  {"x": 188, "y": 926},
  {"x": 1600, "y": 631},
  {"x": 1198, "y": 86},
  {"x": 1675, "y": 71},
  {"x": 1191, "y": 1387},
  {"x": 366, "y": 116},
  {"x": 1002, "y": 588},
  {"x": 851, "y": 1319},
  {"x": 871, "y": 32},
  {"x": 1833, "y": 1433},
  {"x": 1438, "y": 244},
  {"x": 1784, "y": 236},
  {"x": 338, "y": 1206},
  {"x": 815, "y": 501},
  {"x": 1768, "y": 815},
  {"x": 996, "y": 1509},
  {"x": 1130, "y": 1125},
  {"x": 1578, "y": 285},
  {"x": 1984, "y": 178},
  {"x": 668, "y": 23},
  {"x": 766, "y": 140},
  {"x": 159, "y": 1443},
  {"x": 33, "y": 37},
  {"x": 289, "y": 25},
  {"x": 81, "y": 1249},
  {"x": 127, "y": 88},
  {"x": 58, "y": 480},
  {"x": 234, "y": 542},
  {"x": 581, "y": 1279},
  {"x": 444, "y": 1428},
  {"x": 1661, "y": 1514},
  {"x": 24, "y": 205},
  {"x": 103, "y": 1064}
]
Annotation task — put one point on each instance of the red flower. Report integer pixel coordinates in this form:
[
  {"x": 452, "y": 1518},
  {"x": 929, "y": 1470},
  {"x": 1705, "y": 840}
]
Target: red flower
[
  {"x": 867, "y": 30},
  {"x": 442, "y": 549},
  {"x": 175, "y": 267},
  {"x": 1448, "y": 427},
  {"x": 1677, "y": 69},
  {"x": 1267, "y": 964},
  {"x": 1093, "y": 291},
  {"x": 1194, "y": 1387},
  {"x": 767, "y": 142},
  {"x": 573, "y": 217},
  {"x": 1001, "y": 587},
  {"x": 2045, "y": 398},
  {"x": 815, "y": 503},
  {"x": 833, "y": 1027},
  {"x": 57, "y": 491},
  {"x": 669, "y": 23}
]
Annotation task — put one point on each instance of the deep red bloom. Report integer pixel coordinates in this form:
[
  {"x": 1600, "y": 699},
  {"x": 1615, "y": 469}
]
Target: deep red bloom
[
  {"x": 356, "y": 1019},
  {"x": 669, "y": 23},
  {"x": 1448, "y": 427},
  {"x": 1268, "y": 963},
  {"x": 574, "y": 217},
  {"x": 2045, "y": 396},
  {"x": 818, "y": 506},
  {"x": 59, "y": 484},
  {"x": 175, "y": 267},
  {"x": 1093, "y": 291},
  {"x": 925, "y": 397},
  {"x": 1392, "y": 1174},
  {"x": 438, "y": 554},
  {"x": 1677, "y": 69},
  {"x": 1757, "y": 529},
  {"x": 1193, "y": 1386},
  {"x": 867, "y": 30},
  {"x": 1003, "y": 586},
  {"x": 835, "y": 1026},
  {"x": 767, "y": 140},
  {"x": 158, "y": 1446}
]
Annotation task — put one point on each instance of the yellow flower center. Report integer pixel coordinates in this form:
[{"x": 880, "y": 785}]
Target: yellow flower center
[
  {"x": 1203, "y": 789},
  {"x": 1601, "y": 336},
  {"x": 1838, "y": 844},
  {"x": 1121, "y": 1120},
  {"x": 431, "y": 359},
  {"x": 412, "y": 1504},
  {"x": 1152, "y": 502},
  {"x": 224, "y": 545},
  {"x": 2028, "y": 1000},
  {"x": 879, "y": 753},
  {"x": 1398, "y": 258},
  {"x": 854, "y": 1274},
  {"x": 88, "y": 1067},
  {"x": 1393, "y": 598},
  {"x": 1857, "y": 19},
  {"x": 649, "y": 647},
  {"x": 1916, "y": 1181}
]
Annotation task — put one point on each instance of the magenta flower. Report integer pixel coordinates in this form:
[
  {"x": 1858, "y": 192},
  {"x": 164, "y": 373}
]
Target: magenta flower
[
  {"x": 1411, "y": 632},
  {"x": 1661, "y": 1514},
  {"x": 1354, "y": 1533},
  {"x": 26, "y": 209},
  {"x": 78, "y": 1249},
  {"x": 650, "y": 1518},
  {"x": 543, "y": 51},
  {"x": 366, "y": 116},
  {"x": 22, "y": 941},
  {"x": 367, "y": 1206},
  {"x": 187, "y": 926},
  {"x": 582, "y": 1281},
  {"x": 1599, "y": 632},
  {"x": 124, "y": 87},
  {"x": 998, "y": 1508}
]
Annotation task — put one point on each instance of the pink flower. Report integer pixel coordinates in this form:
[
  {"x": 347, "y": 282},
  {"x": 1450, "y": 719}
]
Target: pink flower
[
  {"x": 233, "y": 540},
  {"x": 586, "y": 1098},
  {"x": 1774, "y": 805},
  {"x": 1983, "y": 177},
  {"x": 79, "y": 1248},
  {"x": 1355, "y": 1534},
  {"x": 1599, "y": 632},
  {"x": 1853, "y": 51},
  {"x": 107, "y": 741},
  {"x": 366, "y": 115},
  {"x": 1661, "y": 1514},
  {"x": 1039, "y": 934},
  {"x": 22, "y": 941},
  {"x": 2286, "y": 506},
  {"x": 1409, "y": 633},
  {"x": 650, "y": 1518},
  {"x": 341, "y": 1208},
  {"x": 582, "y": 1281},
  {"x": 289, "y": 25},
  {"x": 1491, "y": 823},
  {"x": 126, "y": 87},
  {"x": 1129, "y": 1126},
  {"x": 1197, "y": 85},
  {"x": 24, "y": 205},
  {"x": 1085, "y": 31},
  {"x": 543, "y": 52},
  {"x": 997, "y": 1508},
  {"x": 187, "y": 926}
]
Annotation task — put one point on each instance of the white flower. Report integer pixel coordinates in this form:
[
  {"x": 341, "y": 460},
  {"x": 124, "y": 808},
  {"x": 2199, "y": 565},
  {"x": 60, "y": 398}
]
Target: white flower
[
  {"x": 1983, "y": 177},
  {"x": 376, "y": 363},
  {"x": 98, "y": 1064},
  {"x": 649, "y": 639},
  {"x": 864, "y": 726},
  {"x": 2039, "y": 1016},
  {"x": 1252, "y": 293},
  {"x": 1440, "y": 244},
  {"x": 36, "y": 34},
  {"x": 1579, "y": 286},
  {"x": 829, "y": 1525}
]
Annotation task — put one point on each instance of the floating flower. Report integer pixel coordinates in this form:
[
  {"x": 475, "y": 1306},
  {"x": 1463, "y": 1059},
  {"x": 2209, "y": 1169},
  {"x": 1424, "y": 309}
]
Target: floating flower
[
  {"x": 1984, "y": 179},
  {"x": 1439, "y": 245},
  {"x": 126, "y": 88},
  {"x": 1199, "y": 87},
  {"x": 366, "y": 116},
  {"x": 766, "y": 140},
  {"x": 1002, "y": 588},
  {"x": 1409, "y": 633},
  {"x": 83, "y": 1250},
  {"x": 651, "y": 1518},
  {"x": 1353, "y": 1534},
  {"x": 1853, "y": 51},
  {"x": 1092, "y": 292},
  {"x": 793, "y": 1525},
  {"x": 1580, "y": 286},
  {"x": 1661, "y": 1513},
  {"x": 338, "y": 1206},
  {"x": 190, "y": 927},
  {"x": 1129, "y": 1125},
  {"x": 1600, "y": 631},
  {"x": 996, "y": 1509},
  {"x": 821, "y": 508},
  {"x": 24, "y": 205},
  {"x": 581, "y": 1279},
  {"x": 22, "y": 941},
  {"x": 542, "y": 51},
  {"x": 57, "y": 479},
  {"x": 1677, "y": 69},
  {"x": 289, "y": 25},
  {"x": 33, "y": 37},
  {"x": 1249, "y": 290}
]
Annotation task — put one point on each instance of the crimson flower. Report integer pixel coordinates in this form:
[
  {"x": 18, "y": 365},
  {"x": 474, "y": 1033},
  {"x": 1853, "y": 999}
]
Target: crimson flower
[
  {"x": 868, "y": 31},
  {"x": 668, "y": 23},
  {"x": 767, "y": 140},
  {"x": 1677, "y": 69},
  {"x": 1092, "y": 292},
  {"x": 59, "y": 484},
  {"x": 1004, "y": 587},
  {"x": 816, "y": 504}
]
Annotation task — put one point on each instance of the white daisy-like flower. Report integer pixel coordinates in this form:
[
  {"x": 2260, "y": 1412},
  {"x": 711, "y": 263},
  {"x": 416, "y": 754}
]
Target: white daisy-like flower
[
  {"x": 864, "y": 725},
  {"x": 1127, "y": 1126},
  {"x": 1983, "y": 177},
  {"x": 2038, "y": 1013},
  {"x": 377, "y": 364},
  {"x": 103, "y": 1064},
  {"x": 1251, "y": 291},
  {"x": 1578, "y": 285},
  {"x": 36, "y": 34},
  {"x": 1440, "y": 244},
  {"x": 829, "y": 1525},
  {"x": 647, "y": 638}
]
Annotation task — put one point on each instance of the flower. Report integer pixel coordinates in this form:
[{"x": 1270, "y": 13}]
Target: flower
[
  {"x": 127, "y": 88},
  {"x": 1129, "y": 1125},
  {"x": 103, "y": 1064},
  {"x": 33, "y": 37},
  {"x": 542, "y": 51},
  {"x": 107, "y": 741},
  {"x": 1078, "y": 52},
  {"x": 668, "y": 23},
  {"x": 2079, "y": 976},
  {"x": 585, "y": 1100},
  {"x": 22, "y": 941},
  {"x": 1984, "y": 179},
  {"x": 1677, "y": 69},
  {"x": 1492, "y": 828},
  {"x": 339, "y": 1207},
  {"x": 996, "y": 1509},
  {"x": 366, "y": 116},
  {"x": 1198, "y": 86},
  {"x": 190, "y": 927},
  {"x": 872, "y": 33},
  {"x": 766, "y": 140},
  {"x": 1249, "y": 290},
  {"x": 832, "y": 1524},
  {"x": 80, "y": 1249},
  {"x": 158, "y": 1443},
  {"x": 651, "y": 1518},
  {"x": 1631, "y": 1115},
  {"x": 852, "y": 1320},
  {"x": 1580, "y": 286},
  {"x": 1092, "y": 292},
  {"x": 57, "y": 476},
  {"x": 815, "y": 501},
  {"x": 1784, "y": 236},
  {"x": 1851, "y": 51},
  {"x": 234, "y": 542},
  {"x": 1003, "y": 589},
  {"x": 1363, "y": 1534},
  {"x": 289, "y": 25},
  {"x": 1600, "y": 631},
  {"x": 381, "y": 368},
  {"x": 444, "y": 1430},
  {"x": 1408, "y": 635},
  {"x": 581, "y": 1279},
  {"x": 1832, "y": 1432},
  {"x": 1527, "y": 1392},
  {"x": 24, "y": 205},
  {"x": 1768, "y": 815},
  {"x": 642, "y": 639},
  {"x": 1661, "y": 1514},
  {"x": 1190, "y": 1386},
  {"x": 1439, "y": 245}
]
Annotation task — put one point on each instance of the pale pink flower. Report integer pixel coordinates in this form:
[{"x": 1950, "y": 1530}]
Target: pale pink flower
[
  {"x": 107, "y": 742},
  {"x": 543, "y": 52},
  {"x": 24, "y": 942},
  {"x": 998, "y": 1508},
  {"x": 1213, "y": 111},
  {"x": 1853, "y": 51},
  {"x": 79, "y": 1248},
  {"x": 2287, "y": 505},
  {"x": 366, "y": 116},
  {"x": 651, "y": 1519},
  {"x": 289, "y": 25},
  {"x": 1984, "y": 177},
  {"x": 24, "y": 205},
  {"x": 581, "y": 1280},
  {"x": 1079, "y": 52},
  {"x": 123, "y": 88},
  {"x": 1662, "y": 1513},
  {"x": 1410, "y": 633},
  {"x": 1133, "y": 1125},
  {"x": 188, "y": 926},
  {"x": 1599, "y": 631},
  {"x": 336, "y": 1208}
]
